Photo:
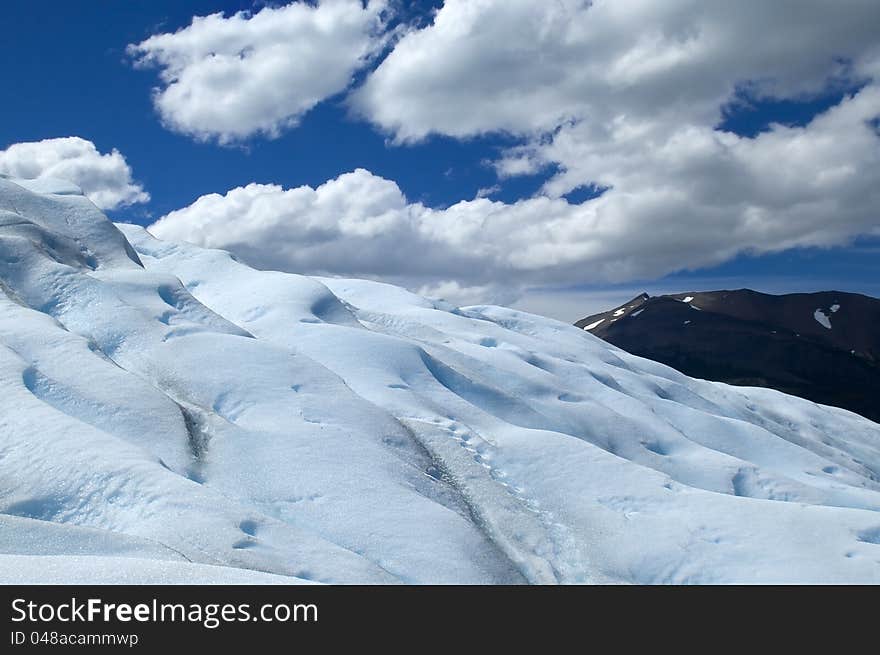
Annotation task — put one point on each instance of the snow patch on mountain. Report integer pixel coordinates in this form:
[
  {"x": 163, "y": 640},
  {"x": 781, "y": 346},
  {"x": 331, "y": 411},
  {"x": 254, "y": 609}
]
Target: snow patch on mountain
[{"x": 822, "y": 319}]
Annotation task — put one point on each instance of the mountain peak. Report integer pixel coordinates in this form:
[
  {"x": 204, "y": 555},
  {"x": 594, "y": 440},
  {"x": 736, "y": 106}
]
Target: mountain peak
[{"x": 824, "y": 346}]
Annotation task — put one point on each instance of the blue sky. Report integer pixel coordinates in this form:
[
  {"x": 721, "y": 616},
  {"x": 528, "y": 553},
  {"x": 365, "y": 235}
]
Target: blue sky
[
  {"x": 66, "y": 73},
  {"x": 81, "y": 82}
]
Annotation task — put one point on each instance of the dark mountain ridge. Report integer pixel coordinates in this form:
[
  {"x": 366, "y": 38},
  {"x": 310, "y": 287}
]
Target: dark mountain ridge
[{"x": 822, "y": 346}]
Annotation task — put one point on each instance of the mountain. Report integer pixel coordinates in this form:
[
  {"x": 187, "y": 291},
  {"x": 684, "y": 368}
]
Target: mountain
[
  {"x": 822, "y": 346},
  {"x": 169, "y": 414}
]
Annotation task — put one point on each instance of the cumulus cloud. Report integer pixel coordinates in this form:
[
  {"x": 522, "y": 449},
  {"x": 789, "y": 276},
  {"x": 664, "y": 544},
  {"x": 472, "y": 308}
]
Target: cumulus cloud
[
  {"x": 105, "y": 178},
  {"x": 231, "y": 77},
  {"x": 496, "y": 293},
  {"x": 624, "y": 96},
  {"x": 357, "y": 223},
  {"x": 702, "y": 197},
  {"x": 528, "y": 67}
]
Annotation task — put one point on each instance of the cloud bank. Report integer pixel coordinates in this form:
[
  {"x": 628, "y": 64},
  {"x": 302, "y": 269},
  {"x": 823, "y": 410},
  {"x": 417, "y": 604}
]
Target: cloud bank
[
  {"x": 528, "y": 67},
  {"x": 228, "y": 78},
  {"x": 105, "y": 178},
  {"x": 622, "y": 95},
  {"x": 701, "y": 198}
]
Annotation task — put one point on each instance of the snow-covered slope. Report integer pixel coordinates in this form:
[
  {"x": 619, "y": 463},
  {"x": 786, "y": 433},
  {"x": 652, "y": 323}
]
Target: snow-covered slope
[{"x": 169, "y": 414}]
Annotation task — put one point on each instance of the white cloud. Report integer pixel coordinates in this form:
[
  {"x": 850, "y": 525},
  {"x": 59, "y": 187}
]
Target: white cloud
[
  {"x": 622, "y": 95},
  {"x": 231, "y": 77},
  {"x": 486, "y": 192},
  {"x": 528, "y": 67},
  {"x": 626, "y": 95},
  {"x": 701, "y": 198},
  {"x": 453, "y": 292},
  {"x": 104, "y": 178}
]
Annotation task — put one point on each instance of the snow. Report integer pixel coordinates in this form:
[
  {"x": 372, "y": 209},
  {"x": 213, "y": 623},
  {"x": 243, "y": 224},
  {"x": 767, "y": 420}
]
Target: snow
[
  {"x": 834, "y": 308},
  {"x": 168, "y": 414},
  {"x": 688, "y": 299},
  {"x": 43, "y": 552},
  {"x": 594, "y": 324},
  {"x": 822, "y": 319},
  {"x": 619, "y": 312},
  {"x": 79, "y": 570},
  {"x": 637, "y": 312}
]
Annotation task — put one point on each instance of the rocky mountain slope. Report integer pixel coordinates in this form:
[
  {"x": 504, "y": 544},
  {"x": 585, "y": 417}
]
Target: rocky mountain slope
[{"x": 822, "y": 346}]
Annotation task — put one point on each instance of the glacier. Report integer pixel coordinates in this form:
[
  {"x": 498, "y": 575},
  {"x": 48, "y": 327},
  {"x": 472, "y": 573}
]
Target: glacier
[{"x": 169, "y": 414}]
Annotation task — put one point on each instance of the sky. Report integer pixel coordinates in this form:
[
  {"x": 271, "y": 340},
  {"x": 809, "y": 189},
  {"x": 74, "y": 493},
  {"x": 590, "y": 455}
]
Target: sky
[{"x": 560, "y": 157}]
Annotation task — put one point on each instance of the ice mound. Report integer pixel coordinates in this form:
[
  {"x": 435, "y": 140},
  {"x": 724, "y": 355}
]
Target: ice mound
[{"x": 169, "y": 414}]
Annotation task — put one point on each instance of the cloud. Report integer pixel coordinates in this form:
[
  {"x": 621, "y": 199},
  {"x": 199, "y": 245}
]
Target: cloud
[
  {"x": 528, "y": 67},
  {"x": 357, "y": 223},
  {"x": 486, "y": 192},
  {"x": 106, "y": 179},
  {"x": 623, "y": 96},
  {"x": 693, "y": 199},
  {"x": 453, "y": 291},
  {"x": 228, "y": 78}
]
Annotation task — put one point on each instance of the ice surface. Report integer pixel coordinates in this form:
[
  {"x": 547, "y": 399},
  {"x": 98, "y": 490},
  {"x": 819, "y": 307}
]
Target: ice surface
[
  {"x": 169, "y": 414},
  {"x": 79, "y": 570},
  {"x": 822, "y": 319}
]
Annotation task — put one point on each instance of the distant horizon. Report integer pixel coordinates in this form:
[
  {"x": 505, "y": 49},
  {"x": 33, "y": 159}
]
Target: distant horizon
[{"x": 560, "y": 303}]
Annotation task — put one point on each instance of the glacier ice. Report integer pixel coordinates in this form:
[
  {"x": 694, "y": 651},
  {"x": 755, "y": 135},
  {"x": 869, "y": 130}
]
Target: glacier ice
[{"x": 169, "y": 414}]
